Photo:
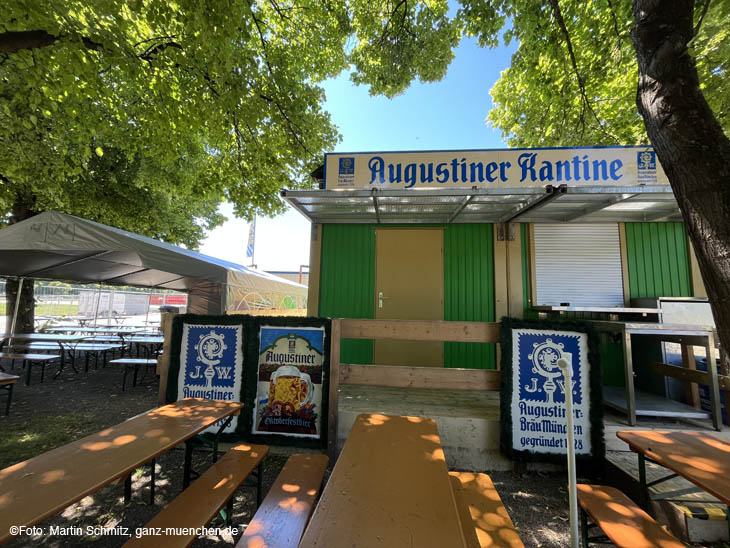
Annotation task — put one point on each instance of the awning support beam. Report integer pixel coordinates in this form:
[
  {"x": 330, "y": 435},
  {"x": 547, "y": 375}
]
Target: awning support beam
[
  {"x": 375, "y": 205},
  {"x": 551, "y": 193},
  {"x": 465, "y": 202}
]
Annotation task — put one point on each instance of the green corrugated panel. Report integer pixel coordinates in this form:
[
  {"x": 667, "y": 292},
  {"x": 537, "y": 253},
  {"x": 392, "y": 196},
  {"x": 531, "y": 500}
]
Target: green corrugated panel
[
  {"x": 658, "y": 261},
  {"x": 469, "y": 290},
  {"x": 347, "y": 282}
]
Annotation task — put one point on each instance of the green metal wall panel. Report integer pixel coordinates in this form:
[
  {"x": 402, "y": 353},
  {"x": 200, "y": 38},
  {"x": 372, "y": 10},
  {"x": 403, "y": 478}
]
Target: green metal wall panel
[
  {"x": 658, "y": 260},
  {"x": 347, "y": 282},
  {"x": 469, "y": 290}
]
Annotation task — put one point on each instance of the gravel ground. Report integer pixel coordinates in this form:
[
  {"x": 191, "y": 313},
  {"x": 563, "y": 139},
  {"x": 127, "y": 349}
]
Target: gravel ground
[{"x": 537, "y": 502}]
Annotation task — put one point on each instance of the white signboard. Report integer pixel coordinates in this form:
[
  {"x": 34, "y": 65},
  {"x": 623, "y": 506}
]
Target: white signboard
[
  {"x": 584, "y": 166},
  {"x": 538, "y": 391}
]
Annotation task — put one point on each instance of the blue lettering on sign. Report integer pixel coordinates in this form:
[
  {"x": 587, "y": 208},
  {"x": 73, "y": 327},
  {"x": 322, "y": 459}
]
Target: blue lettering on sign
[
  {"x": 532, "y": 169},
  {"x": 540, "y": 377},
  {"x": 211, "y": 356}
]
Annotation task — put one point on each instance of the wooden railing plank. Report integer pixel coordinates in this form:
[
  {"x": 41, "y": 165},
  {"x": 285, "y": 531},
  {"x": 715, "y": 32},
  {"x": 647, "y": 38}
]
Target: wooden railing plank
[
  {"x": 421, "y": 330},
  {"x": 420, "y": 377},
  {"x": 690, "y": 375}
]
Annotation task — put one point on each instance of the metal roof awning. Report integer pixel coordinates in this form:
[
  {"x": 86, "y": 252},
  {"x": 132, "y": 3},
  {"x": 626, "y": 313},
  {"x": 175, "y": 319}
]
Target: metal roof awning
[{"x": 549, "y": 204}]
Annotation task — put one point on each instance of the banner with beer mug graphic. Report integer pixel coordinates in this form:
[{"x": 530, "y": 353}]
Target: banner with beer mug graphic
[{"x": 289, "y": 381}]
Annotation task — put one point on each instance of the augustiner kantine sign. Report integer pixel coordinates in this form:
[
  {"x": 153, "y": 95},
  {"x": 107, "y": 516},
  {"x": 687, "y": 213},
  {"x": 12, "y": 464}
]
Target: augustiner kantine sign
[{"x": 601, "y": 166}]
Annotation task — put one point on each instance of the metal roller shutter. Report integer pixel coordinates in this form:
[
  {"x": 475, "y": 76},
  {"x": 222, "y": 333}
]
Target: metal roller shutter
[{"x": 579, "y": 264}]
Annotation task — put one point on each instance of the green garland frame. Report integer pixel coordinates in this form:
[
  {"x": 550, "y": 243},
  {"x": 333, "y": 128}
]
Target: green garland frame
[{"x": 595, "y": 415}]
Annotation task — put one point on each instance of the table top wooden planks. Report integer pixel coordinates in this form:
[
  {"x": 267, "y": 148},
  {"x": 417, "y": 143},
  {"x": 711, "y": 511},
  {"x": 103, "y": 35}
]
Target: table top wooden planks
[
  {"x": 389, "y": 488},
  {"x": 701, "y": 458},
  {"x": 35, "y": 489}
]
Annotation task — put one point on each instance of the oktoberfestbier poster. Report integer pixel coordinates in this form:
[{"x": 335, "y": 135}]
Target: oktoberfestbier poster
[{"x": 289, "y": 381}]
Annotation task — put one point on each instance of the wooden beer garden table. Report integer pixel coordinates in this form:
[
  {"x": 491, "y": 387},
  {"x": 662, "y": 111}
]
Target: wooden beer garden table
[
  {"x": 389, "y": 488},
  {"x": 38, "y": 488},
  {"x": 700, "y": 458}
]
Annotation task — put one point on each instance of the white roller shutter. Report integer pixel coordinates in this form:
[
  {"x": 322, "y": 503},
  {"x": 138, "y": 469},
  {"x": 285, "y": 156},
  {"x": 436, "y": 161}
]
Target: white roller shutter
[{"x": 579, "y": 264}]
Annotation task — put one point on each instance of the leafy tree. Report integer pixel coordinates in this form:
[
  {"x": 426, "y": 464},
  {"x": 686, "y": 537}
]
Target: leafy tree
[
  {"x": 145, "y": 114},
  {"x": 574, "y": 78}
]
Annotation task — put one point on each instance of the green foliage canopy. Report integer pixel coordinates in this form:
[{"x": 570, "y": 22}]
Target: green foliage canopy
[
  {"x": 550, "y": 97},
  {"x": 145, "y": 114}
]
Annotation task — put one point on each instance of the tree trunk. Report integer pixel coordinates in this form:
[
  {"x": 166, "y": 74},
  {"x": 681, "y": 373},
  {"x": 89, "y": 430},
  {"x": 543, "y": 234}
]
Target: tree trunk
[
  {"x": 688, "y": 140},
  {"x": 26, "y": 308}
]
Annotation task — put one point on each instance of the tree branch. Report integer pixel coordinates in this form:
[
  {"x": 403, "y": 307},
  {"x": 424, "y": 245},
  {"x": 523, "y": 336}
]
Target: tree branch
[
  {"x": 581, "y": 85},
  {"x": 14, "y": 41},
  {"x": 702, "y": 17}
]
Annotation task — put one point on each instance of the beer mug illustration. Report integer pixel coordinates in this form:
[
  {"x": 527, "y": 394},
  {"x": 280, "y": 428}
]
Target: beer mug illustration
[{"x": 290, "y": 389}]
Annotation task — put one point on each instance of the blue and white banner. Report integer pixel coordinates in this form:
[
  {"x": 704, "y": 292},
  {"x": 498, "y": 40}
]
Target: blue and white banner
[
  {"x": 538, "y": 391},
  {"x": 251, "y": 239},
  {"x": 211, "y": 364}
]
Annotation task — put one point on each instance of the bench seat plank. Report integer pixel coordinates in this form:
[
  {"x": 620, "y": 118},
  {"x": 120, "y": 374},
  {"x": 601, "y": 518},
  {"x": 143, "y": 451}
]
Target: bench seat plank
[
  {"x": 285, "y": 512},
  {"x": 33, "y": 357},
  {"x": 627, "y": 525},
  {"x": 198, "y": 504},
  {"x": 6, "y": 378},
  {"x": 484, "y": 519}
]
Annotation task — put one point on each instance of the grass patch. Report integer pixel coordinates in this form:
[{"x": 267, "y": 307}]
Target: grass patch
[
  {"x": 30, "y": 438},
  {"x": 49, "y": 309}
]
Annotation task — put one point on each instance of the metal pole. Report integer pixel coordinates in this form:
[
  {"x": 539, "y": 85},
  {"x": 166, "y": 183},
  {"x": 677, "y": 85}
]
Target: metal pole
[
  {"x": 15, "y": 312},
  {"x": 567, "y": 370}
]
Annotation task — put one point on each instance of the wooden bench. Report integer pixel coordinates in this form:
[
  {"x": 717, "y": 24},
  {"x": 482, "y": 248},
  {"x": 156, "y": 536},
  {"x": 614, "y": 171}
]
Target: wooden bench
[
  {"x": 285, "y": 512},
  {"x": 133, "y": 364},
  {"x": 197, "y": 505},
  {"x": 29, "y": 360},
  {"x": 622, "y": 521},
  {"x": 6, "y": 383},
  {"x": 484, "y": 519}
]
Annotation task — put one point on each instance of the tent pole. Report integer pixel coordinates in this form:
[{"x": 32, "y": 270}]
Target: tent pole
[{"x": 15, "y": 312}]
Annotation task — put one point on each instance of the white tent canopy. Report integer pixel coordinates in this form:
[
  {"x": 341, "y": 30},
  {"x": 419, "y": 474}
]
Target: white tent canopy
[{"x": 58, "y": 246}]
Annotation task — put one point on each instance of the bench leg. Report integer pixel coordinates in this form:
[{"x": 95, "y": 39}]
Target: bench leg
[
  {"x": 124, "y": 377},
  {"x": 643, "y": 498},
  {"x": 229, "y": 511},
  {"x": 27, "y": 366},
  {"x": 128, "y": 488},
  {"x": 43, "y": 370},
  {"x": 152, "y": 482},
  {"x": 259, "y": 484},
  {"x": 10, "y": 399},
  {"x": 187, "y": 465},
  {"x": 134, "y": 379},
  {"x": 583, "y": 529}
]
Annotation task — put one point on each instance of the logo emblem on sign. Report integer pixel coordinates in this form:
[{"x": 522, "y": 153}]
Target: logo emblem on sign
[
  {"x": 544, "y": 357},
  {"x": 210, "y": 348},
  {"x": 646, "y": 160}
]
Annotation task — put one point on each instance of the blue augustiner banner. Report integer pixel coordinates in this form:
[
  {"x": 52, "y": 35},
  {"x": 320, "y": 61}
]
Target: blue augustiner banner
[
  {"x": 211, "y": 364},
  {"x": 538, "y": 391}
]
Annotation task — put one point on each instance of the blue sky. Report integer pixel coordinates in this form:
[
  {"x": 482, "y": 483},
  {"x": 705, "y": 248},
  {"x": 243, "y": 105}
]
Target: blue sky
[{"x": 445, "y": 115}]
